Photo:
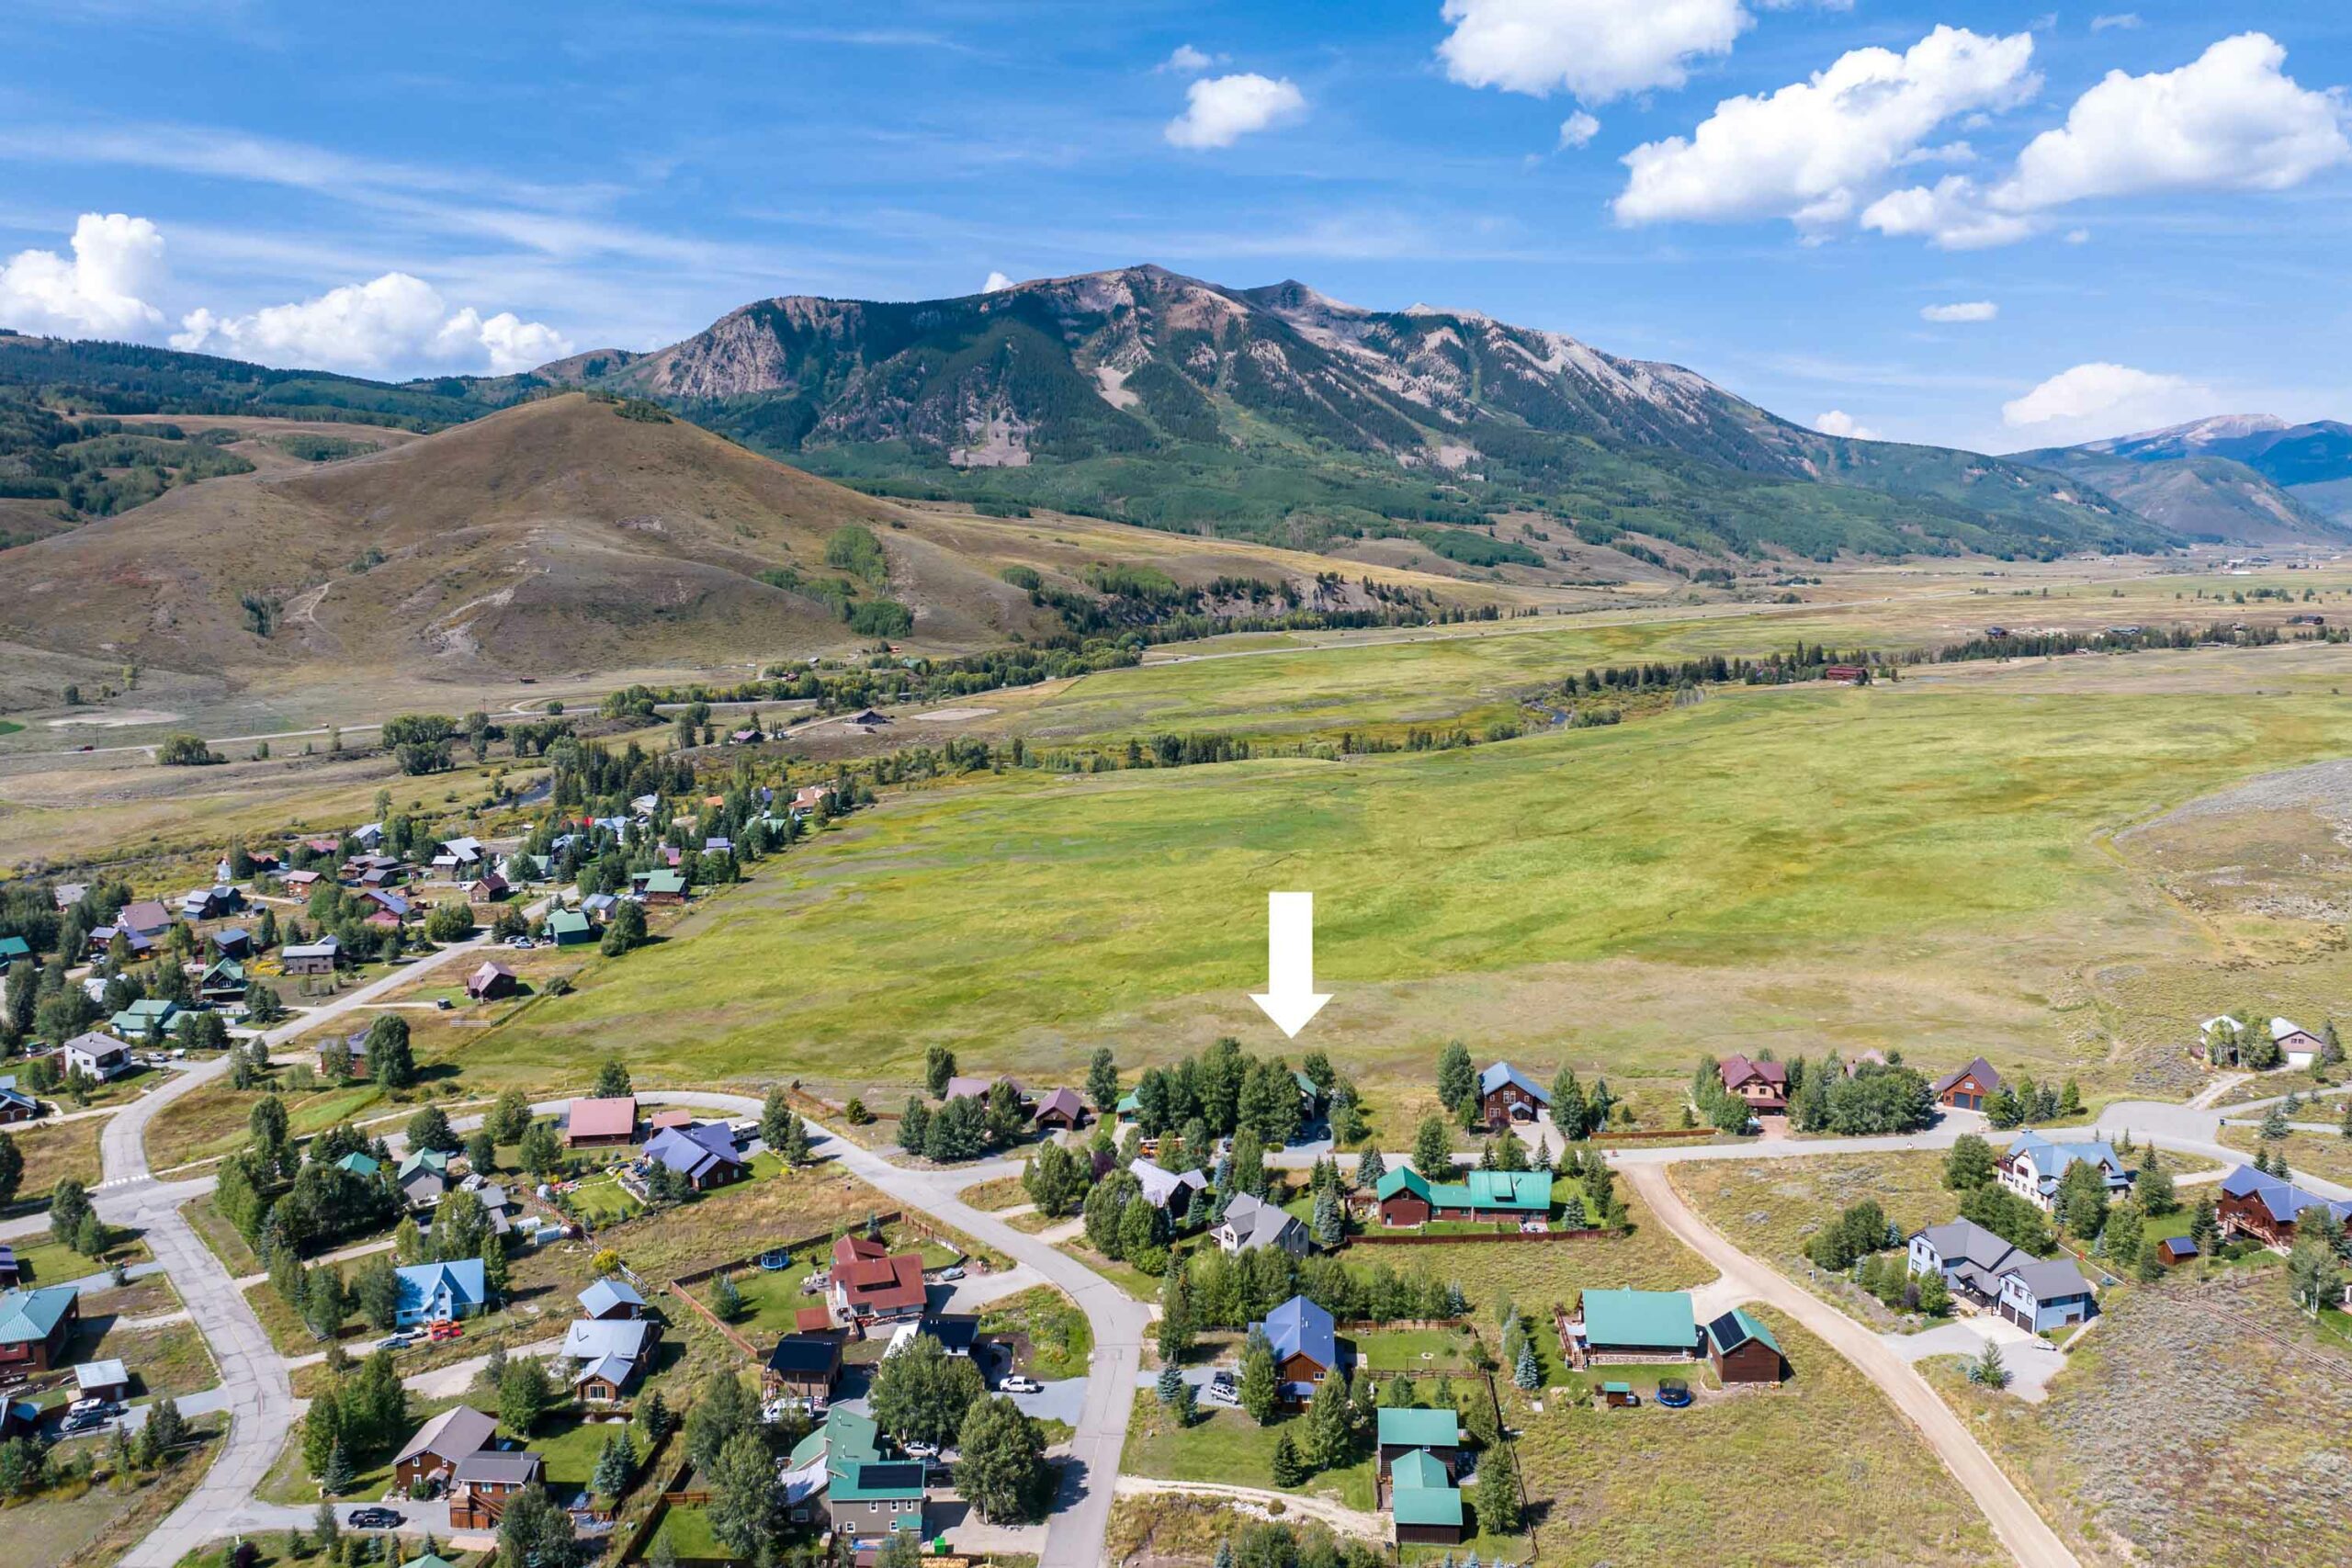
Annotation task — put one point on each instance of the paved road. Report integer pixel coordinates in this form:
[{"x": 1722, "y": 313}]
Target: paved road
[
  {"x": 1081, "y": 1518},
  {"x": 257, "y": 1390},
  {"x": 2028, "y": 1539}
]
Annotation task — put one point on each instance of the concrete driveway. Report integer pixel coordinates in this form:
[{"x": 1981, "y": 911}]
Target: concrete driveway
[{"x": 2032, "y": 1359}]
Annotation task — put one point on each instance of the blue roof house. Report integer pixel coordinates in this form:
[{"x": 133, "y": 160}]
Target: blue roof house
[
  {"x": 437, "y": 1292},
  {"x": 1306, "y": 1347}
]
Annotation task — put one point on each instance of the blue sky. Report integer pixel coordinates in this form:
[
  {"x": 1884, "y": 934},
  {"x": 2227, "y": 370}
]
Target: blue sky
[{"x": 2126, "y": 214}]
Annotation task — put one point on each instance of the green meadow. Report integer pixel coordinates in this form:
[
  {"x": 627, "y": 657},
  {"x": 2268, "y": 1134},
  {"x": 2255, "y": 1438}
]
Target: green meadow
[{"x": 1920, "y": 866}]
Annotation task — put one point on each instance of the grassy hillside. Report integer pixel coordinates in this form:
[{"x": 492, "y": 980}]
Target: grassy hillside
[
  {"x": 1908, "y": 866},
  {"x": 2203, "y": 498},
  {"x": 576, "y": 534}
]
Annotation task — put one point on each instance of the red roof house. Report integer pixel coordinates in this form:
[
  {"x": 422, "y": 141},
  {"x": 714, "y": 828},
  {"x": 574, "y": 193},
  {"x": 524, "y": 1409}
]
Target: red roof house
[
  {"x": 871, "y": 1282},
  {"x": 1764, "y": 1085}
]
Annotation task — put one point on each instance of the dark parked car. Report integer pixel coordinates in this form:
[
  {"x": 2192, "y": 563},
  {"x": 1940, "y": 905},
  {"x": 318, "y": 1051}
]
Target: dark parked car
[{"x": 374, "y": 1518}]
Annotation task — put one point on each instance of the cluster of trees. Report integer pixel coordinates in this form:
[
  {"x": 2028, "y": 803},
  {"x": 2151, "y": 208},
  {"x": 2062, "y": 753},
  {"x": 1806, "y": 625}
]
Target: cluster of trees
[
  {"x": 361, "y": 1415},
  {"x": 2025, "y": 1102},
  {"x": 71, "y": 1221},
  {"x": 1227, "y": 1090},
  {"x": 386, "y": 1053},
  {"x": 964, "y": 1128},
  {"x": 29, "y": 1465}
]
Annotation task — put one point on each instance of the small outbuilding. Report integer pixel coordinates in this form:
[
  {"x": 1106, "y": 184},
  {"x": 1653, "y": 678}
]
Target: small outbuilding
[{"x": 1744, "y": 1350}]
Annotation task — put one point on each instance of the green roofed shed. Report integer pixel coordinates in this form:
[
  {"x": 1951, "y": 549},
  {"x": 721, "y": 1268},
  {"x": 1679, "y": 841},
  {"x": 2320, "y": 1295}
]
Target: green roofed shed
[{"x": 1425, "y": 1505}]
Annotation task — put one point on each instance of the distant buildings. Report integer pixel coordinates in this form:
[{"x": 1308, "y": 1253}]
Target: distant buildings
[
  {"x": 2032, "y": 1166},
  {"x": 1968, "y": 1088},
  {"x": 1506, "y": 1095}
]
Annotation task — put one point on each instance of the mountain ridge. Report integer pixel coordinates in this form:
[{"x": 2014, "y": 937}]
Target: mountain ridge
[
  {"x": 2238, "y": 478},
  {"x": 1146, "y": 395}
]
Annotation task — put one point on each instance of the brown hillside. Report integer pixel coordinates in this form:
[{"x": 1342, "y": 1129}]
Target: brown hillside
[{"x": 558, "y": 536}]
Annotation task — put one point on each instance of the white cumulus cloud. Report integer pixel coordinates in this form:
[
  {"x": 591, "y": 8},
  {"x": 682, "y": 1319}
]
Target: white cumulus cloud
[
  {"x": 1186, "y": 61},
  {"x": 1220, "y": 110},
  {"x": 102, "y": 290},
  {"x": 1964, "y": 310},
  {"x": 1952, "y": 213},
  {"x": 2116, "y": 21},
  {"x": 394, "y": 321},
  {"x": 2100, "y": 399},
  {"x": 2231, "y": 120},
  {"x": 997, "y": 283},
  {"x": 1838, "y": 421},
  {"x": 1815, "y": 151},
  {"x": 1597, "y": 49},
  {"x": 1577, "y": 129}
]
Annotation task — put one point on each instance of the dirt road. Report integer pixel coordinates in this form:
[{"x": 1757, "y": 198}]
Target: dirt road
[{"x": 2032, "y": 1541}]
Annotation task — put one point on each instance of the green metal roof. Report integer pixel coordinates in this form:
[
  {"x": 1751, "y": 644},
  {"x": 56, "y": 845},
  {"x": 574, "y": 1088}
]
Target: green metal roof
[
  {"x": 30, "y": 1315},
  {"x": 1616, "y": 1388},
  {"x": 1493, "y": 1191},
  {"x": 567, "y": 922},
  {"x": 1659, "y": 1320},
  {"x": 1419, "y": 1470},
  {"x": 360, "y": 1164},
  {"x": 1129, "y": 1103},
  {"x": 665, "y": 882},
  {"x": 1420, "y": 1428},
  {"x": 1401, "y": 1179},
  {"x": 877, "y": 1480},
  {"x": 1425, "y": 1505},
  {"x": 15, "y": 947}
]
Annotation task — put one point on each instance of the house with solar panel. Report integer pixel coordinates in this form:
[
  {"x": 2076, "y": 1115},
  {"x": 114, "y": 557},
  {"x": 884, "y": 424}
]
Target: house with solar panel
[
  {"x": 1405, "y": 1197},
  {"x": 1506, "y": 1095},
  {"x": 839, "y": 1474},
  {"x": 1742, "y": 1350}
]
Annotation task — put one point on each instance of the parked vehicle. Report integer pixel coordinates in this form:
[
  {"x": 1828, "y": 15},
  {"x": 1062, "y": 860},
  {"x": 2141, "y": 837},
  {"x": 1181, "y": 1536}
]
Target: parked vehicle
[
  {"x": 953, "y": 1272},
  {"x": 374, "y": 1519},
  {"x": 86, "y": 1408},
  {"x": 1220, "y": 1390},
  {"x": 394, "y": 1342},
  {"x": 1021, "y": 1382},
  {"x": 922, "y": 1450}
]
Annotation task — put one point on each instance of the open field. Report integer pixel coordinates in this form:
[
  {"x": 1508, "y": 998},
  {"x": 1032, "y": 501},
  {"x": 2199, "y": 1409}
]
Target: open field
[
  {"x": 2325, "y": 1154},
  {"x": 1225, "y": 1445},
  {"x": 1849, "y": 1481},
  {"x": 1769, "y": 1209},
  {"x": 2200, "y": 1423},
  {"x": 1916, "y": 866},
  {"x": 82, "y": 1523},
  {"x": 54, "y": 1153}
]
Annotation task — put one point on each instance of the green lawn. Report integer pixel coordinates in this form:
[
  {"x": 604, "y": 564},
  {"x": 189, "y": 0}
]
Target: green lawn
[
  {"x": 1416, "y": 1350},
  {"x": 570, "y": 1447},
  {"x": 47, "y": 1262},
  {"x": 600, "y": 1202},
  {"x": 1922, "y": 866},
  {"x": 1227, "y": 1445},
  {"x": 1058, "y": 1336}
]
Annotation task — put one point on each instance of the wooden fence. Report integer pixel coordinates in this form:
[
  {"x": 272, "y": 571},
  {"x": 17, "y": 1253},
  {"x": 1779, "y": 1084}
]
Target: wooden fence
[
  {"x": 750, "y": 1351},
  {"x": 1384, "y": 1238},
  {"x": 1647, "y": 1134},
  {"x": 823, "y": 1238}
]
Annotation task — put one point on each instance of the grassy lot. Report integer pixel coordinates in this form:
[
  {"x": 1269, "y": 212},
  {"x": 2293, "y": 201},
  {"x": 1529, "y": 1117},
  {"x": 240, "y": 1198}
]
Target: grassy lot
[
  {"x": 600, "y": 1202},
  {"x": 1227, "y": 1445},
  {"x": 227, "y": 1243},
  {"x": 1417, "y": 1351},
  {"x": 1004, "y": 1192},
  {"x": 70, "y": 1527},
  {"x": 167, "y": 1360},
  {"x": 46, "y": 1262},
  {"x": 2324, "y": 1155},
  {"x": 2249, "y": 1420},
  {"x": 54, "y": 1153},
  {"x": 1854, "y": 1481},
  {"x": 1769, "y": 1208},
  {"x": 211, "y": 1120},
  {"x": 1172, "y": 1528},
  {"x": 1060, "y": 1339},
  {"x": 1927, "y": 874}
]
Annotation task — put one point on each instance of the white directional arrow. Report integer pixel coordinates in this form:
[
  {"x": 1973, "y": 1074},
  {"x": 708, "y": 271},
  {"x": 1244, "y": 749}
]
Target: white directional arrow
[{"x": 1290, "y": 998}]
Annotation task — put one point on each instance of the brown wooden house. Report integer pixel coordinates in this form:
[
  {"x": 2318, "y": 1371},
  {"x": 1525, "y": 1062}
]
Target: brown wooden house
[
  {"x": 1506, "y": 1095},
  {"x": 2272, "y": 1211},
  {"x": 485, "y": 1480},
  {"x": 35, "y": 1324},
  {"x": 1744, "y": 1350},
  {"x": 1763, "y": 1085},
  {"x": 433, "y": 1453},
  {"x": 1968, "y": 1088},
  {"x": 803, "y": 1366}
]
